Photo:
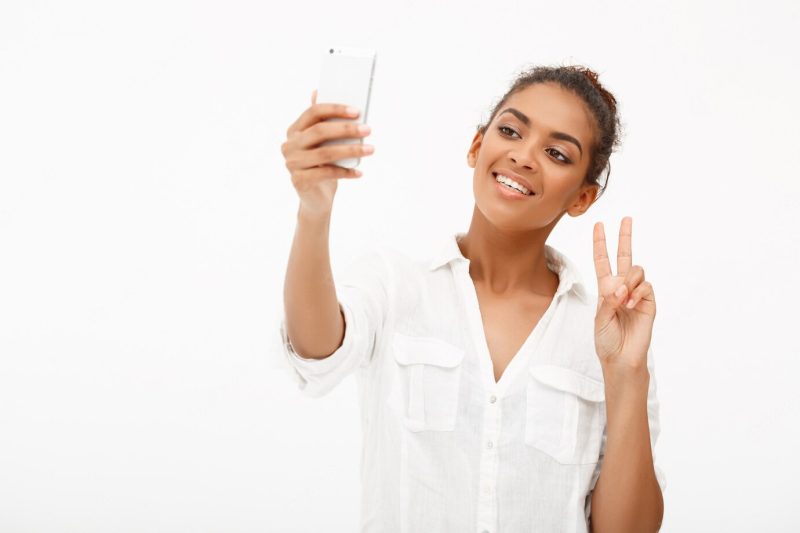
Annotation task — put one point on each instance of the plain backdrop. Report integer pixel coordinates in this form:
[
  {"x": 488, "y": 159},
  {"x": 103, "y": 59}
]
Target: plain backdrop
[{"x": 146, "y": 217}]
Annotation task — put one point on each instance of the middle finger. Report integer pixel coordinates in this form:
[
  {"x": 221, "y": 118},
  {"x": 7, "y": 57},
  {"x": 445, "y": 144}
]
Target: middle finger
[
  {"x": 332, "y": 129},
  {"x": 335, "y": 152}
]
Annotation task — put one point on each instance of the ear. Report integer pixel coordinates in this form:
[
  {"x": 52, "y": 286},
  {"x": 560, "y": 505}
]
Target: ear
[
  {"x": 586, "y": 197},
  {"x": 474, "y": 148}
]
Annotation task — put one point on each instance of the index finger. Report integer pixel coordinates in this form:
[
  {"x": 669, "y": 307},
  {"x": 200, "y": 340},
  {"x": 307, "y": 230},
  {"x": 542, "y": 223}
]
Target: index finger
[
  {"x": 602, "y": 266},
  {"x": 624, "y": 258},
  {"x": 317, "y": 112}
]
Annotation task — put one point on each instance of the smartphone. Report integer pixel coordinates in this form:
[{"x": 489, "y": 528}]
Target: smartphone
[{"x": 346, "y": 78}]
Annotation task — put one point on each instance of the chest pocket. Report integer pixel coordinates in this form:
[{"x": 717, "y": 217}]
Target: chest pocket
[
  {"x": 427, "y": 381},
  {"x": 565, "y": 414}
]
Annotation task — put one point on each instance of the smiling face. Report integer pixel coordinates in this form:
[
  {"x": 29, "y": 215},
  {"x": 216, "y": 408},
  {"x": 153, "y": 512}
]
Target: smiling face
[{"x": 543, "y": 134}]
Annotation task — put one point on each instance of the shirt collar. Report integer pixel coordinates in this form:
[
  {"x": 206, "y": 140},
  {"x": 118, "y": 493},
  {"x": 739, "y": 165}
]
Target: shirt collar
[{"x": 568, "y": 274}]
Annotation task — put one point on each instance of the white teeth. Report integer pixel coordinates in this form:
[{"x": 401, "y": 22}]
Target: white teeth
[{"x": 508, "y": 181}]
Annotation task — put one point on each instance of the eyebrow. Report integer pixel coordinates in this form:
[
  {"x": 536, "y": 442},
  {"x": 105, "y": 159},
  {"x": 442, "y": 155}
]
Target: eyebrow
[{"x": 556, "y": 134}]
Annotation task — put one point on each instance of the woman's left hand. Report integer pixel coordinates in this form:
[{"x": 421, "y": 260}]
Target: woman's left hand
[{"x": 623, "y": 324}]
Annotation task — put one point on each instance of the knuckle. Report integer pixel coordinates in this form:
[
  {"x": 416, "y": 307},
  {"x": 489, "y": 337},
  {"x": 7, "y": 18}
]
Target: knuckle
[
  {"x": 641, "y": 289},
  {"x": 320, "y": 131}
]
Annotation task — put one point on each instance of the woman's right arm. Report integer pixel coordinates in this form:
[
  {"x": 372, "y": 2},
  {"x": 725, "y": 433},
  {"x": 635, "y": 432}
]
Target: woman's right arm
[{"x": 315, "y": 323}]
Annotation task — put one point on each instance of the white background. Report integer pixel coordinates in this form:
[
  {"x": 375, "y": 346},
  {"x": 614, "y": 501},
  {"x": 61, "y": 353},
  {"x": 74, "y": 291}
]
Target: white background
[{"x": 146, "y": 217}]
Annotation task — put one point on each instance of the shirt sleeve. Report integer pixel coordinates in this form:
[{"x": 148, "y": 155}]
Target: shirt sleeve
[
  {"x": 654, "y": 423},
  {"x": 363, "y": 299}
]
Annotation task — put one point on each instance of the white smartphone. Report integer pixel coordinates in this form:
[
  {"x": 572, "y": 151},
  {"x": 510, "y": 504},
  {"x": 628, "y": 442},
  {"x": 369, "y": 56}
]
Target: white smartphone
[{"x": 347, "y": 79}]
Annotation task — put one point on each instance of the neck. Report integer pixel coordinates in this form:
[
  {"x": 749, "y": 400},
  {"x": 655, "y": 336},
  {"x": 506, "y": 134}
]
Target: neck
[{"x": 507, "y": 263}]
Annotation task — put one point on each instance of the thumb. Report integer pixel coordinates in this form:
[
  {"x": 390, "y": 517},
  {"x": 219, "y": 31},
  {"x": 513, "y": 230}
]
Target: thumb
[
  {"x": 314, "y": 97},
  {"x": 607, "y": 306}
]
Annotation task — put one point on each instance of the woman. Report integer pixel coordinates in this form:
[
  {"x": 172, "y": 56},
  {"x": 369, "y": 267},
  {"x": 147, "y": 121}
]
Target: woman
[{"x": 496, "y": 393}]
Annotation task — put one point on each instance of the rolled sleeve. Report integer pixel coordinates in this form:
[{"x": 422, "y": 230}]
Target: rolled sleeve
[{"x": 363, "y": 300}]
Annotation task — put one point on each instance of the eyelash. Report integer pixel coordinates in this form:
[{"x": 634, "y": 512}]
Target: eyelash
[{"x": 565, "y": 160}]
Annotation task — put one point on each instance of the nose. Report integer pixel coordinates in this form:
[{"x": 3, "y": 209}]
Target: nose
[
  {"x": 522, "y": 156},
  {"x": 523, "y": 162}
]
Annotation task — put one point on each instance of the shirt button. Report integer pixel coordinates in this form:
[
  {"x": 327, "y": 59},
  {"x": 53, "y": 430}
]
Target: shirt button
[
  {"x": 492, "y": 399},
  {"x": 489, "y": 444}
]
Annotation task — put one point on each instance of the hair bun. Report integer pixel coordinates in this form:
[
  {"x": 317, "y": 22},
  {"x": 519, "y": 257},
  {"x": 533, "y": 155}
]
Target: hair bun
[{"x": 593, "y": 78}]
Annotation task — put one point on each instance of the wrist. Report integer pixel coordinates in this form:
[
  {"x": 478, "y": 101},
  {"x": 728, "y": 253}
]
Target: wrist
[
  {"x": 308, "y": 215},
  {"x": 618, "y": 378}
]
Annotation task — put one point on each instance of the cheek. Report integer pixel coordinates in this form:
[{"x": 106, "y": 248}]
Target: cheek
[{"x": 563, "y": 184}]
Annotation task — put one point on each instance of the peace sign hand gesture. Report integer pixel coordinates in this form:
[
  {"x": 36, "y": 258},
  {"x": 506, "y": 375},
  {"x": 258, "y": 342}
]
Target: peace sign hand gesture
[{"x": 626, "y": 306}]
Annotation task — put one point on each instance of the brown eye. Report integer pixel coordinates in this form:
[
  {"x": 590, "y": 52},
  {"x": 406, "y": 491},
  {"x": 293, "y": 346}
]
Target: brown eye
[
  {"x": 561, "y": 158},
  {"x": 565, "y": 160},
  {"x": 502, "y": 130}
]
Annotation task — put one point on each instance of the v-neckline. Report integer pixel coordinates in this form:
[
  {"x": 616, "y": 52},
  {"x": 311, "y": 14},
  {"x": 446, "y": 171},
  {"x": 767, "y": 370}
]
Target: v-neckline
[{"x": 521, "y": 359}]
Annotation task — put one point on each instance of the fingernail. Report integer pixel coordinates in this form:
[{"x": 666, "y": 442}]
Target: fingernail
[
  {"x": 629, "y": 304},
  {"x": 368, "y": 149},
  {"x": 352, "y": 111},
  {"x": 620, "y": 291},
  {"x": 364, "y": 128}
]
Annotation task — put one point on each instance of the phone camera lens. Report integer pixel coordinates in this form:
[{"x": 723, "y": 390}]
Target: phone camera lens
[{"x": 331, "y": 50}]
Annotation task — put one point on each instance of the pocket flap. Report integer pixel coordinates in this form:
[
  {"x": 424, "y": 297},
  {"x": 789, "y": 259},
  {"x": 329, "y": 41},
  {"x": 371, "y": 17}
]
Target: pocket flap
[
  {"x": 568, "y": 380},
  {"x": 410, "y": 350}
]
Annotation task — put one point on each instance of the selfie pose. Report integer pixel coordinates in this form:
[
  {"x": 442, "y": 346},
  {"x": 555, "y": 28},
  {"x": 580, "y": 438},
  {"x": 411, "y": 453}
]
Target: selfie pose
[{"x": 498, "y": 391}]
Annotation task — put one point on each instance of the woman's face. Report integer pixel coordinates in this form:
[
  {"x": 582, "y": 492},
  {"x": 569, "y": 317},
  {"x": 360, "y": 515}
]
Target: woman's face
[{"x": 543, "y": 134}]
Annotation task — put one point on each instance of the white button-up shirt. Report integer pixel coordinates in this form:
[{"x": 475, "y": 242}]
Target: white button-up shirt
[{"x": 446, "y": 448}]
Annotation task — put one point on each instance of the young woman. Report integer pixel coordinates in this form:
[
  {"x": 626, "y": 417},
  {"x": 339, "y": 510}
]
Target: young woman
[{"x": 497, "y": 394}]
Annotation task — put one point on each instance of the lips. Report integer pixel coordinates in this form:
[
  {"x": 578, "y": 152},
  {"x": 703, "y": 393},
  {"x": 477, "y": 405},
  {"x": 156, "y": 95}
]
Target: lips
[{"x": 516, "y": 177}]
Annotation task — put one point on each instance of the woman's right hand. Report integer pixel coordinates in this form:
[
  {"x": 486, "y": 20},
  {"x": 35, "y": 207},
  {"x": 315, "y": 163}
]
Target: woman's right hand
[{"x": 313, "y": 175}]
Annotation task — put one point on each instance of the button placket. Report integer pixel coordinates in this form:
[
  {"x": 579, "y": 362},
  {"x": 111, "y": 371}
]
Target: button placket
[{"x": 487, "y": 502}]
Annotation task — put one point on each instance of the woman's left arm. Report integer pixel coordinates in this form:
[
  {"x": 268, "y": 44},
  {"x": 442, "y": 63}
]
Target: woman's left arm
[{"x": 627, "y": 496}]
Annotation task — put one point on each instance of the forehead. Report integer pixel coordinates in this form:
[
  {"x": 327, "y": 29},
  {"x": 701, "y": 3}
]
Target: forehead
[{"x": 551, "y": 107}]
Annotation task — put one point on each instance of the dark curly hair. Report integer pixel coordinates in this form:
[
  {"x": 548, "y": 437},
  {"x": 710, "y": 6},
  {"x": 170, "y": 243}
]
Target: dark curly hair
[{"x": 584, "y": 83}]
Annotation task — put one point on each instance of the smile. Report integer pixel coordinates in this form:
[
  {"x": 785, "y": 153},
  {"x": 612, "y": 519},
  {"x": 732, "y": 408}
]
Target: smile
[{"x": 510, "y": 188}]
